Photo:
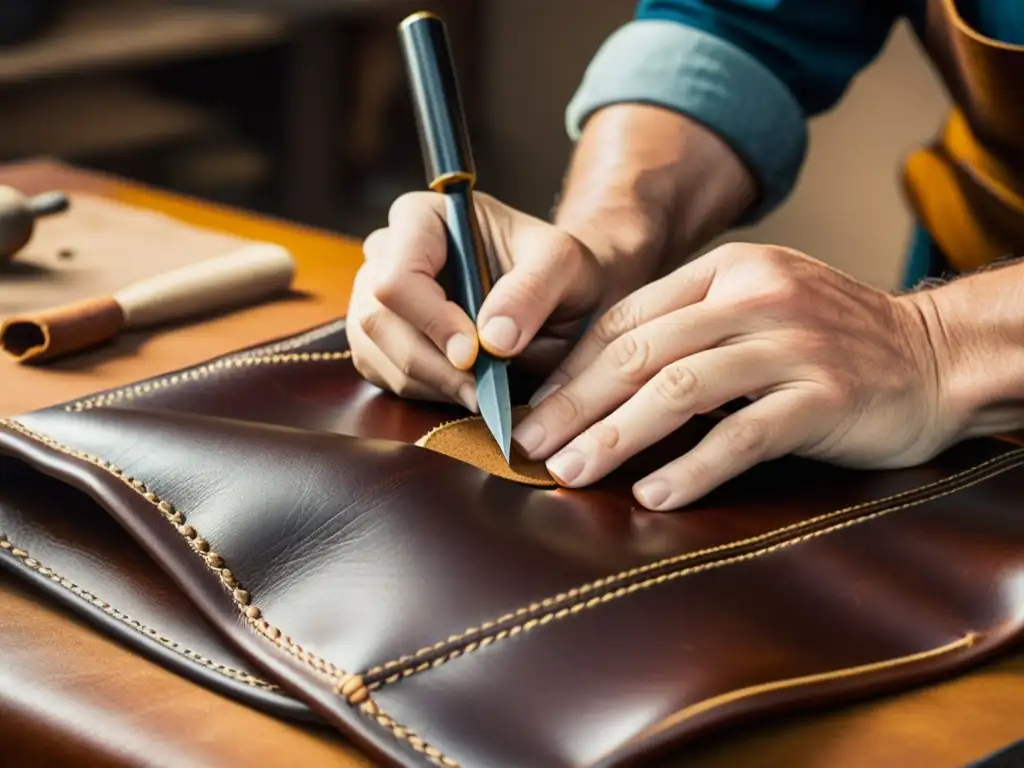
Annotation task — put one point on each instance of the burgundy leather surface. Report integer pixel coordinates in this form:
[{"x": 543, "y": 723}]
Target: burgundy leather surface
[{"x": 527, "y": 626}]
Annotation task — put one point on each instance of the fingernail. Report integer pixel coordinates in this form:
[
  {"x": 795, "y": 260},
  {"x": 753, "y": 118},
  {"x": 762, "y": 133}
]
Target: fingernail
[
  {"x": 460, "y": 350},
  {"x": 500, "y": 334},
  {"x": 528, "y": 436},
  {"x": 652, "y": 493},
  {"x": 543, "y": 393},
  {"x": 467, "y": 394},
  {"x": 566, "y": 466}
]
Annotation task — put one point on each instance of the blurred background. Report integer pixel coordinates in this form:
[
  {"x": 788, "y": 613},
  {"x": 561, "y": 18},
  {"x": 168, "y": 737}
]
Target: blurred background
[{"x": 298, "y": 108}]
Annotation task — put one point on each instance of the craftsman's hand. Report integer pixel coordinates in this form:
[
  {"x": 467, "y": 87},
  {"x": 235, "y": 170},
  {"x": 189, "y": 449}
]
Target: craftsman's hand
[
  {"x": 833, "y": 369},
  {"x": 407, "y": 336}
]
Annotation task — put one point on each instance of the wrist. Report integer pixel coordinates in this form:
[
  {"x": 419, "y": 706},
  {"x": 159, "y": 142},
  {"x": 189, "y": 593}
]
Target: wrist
[
  {"x": 976, "y": 330},
  {"x": 647, "y": 185}
]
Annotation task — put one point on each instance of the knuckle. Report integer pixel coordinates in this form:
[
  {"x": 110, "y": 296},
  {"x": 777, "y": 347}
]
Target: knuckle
[
  {"x": 565, "y": 405},
  {"x": 603, "y": 435},
  {"x": 410, "y": 205},
  {"x": 369, "y": 322},
  {"x": 374, "y": 244},
  {"x": 747, "y": 437},
  {"x": 619, "y": 320},
  {"x": 629, "y": 355},
  {"x": 677, "y": 386},
  {"x": 526, "y": 285},
  {"x": 387, "y": 288}
]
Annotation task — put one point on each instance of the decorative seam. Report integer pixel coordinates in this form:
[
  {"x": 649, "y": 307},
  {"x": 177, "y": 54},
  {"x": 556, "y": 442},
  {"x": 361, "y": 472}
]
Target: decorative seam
[
  {"x": 214, "y": 562},
  {"x": 975, "y": 475},
  {"x": 400, "y": 732},
  {"x": 349, "y": 686},
  {"x": 275, "y": 354},
  {"x": 33, "y": 564},
  {"x": 688, "y": 713}
]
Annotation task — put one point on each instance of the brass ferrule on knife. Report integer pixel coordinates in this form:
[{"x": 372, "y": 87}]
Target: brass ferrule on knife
[{"x": 444, "y": 138}]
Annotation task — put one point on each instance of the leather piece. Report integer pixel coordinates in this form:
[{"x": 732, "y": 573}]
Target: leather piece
[
  {"x": 84, "y": 559},
  {"x": 469, "y": 440},
  {"x": 116, "y": 710},
  {"x": 57, "y": 331},
  {"x": 375, "y": 516}
]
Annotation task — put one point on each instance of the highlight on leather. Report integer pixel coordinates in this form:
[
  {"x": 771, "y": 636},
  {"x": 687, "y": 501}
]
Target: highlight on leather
[{"x": 470, "y": 441}]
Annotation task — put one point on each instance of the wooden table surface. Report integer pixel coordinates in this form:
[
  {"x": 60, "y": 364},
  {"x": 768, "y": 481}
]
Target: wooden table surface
[
  {"x": 325, "y": 268},
  {"x": 53, "y": 710}
]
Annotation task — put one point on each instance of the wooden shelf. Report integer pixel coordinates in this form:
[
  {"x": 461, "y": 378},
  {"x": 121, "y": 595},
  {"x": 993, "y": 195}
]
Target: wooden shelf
[{"x": 102, "y": 34}]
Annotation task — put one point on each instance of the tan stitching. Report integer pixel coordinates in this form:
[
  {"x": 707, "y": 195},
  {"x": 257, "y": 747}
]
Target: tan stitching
[
  {"x": 33, "y": 564},
  {"x": 687, "y": 713},
  {"x": 536, "y": 621},
  {"x": 196, "y": 374},
  {"x": 288, "y": 345},
  {"x": 214, "y": 562},
  {"x": 351, "y": 687},
  {"x": 400, "y": 732}
]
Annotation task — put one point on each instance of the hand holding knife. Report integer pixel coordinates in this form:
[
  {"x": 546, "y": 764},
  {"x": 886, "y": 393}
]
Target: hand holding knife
[{"x": 448, "y": 160}]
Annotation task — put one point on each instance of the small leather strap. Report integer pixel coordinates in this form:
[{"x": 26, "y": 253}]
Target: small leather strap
[{"x": 61, "y": 330}]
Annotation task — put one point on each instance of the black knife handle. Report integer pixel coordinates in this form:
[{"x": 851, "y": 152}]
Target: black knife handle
[
  {"x": 440, "y": 120},
  {"x": 472, "y": 279}
]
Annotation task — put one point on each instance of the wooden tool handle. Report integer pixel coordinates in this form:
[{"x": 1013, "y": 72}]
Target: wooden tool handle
[
  {"x": 252, "y": 272},
  {"x": 246, "y": 275}
]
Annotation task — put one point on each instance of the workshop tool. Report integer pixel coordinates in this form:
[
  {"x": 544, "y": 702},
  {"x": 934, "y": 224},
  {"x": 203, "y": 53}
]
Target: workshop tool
[
  {"x": 448, "y": 160},
  {"x": 18, "y": 215},
  {"x": 243, "y": 276}
]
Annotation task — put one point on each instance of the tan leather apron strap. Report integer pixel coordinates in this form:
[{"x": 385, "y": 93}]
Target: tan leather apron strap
[
  {"x": 965, "y": 197},
  {"x": 967, "y": 189}
]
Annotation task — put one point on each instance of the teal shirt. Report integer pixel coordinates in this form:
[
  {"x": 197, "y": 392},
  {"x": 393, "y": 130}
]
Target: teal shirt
[{"x": 754, "y": 71}]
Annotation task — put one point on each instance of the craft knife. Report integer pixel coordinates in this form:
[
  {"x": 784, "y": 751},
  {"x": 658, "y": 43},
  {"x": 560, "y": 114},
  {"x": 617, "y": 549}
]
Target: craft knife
[{"x": 448, "y": 160}]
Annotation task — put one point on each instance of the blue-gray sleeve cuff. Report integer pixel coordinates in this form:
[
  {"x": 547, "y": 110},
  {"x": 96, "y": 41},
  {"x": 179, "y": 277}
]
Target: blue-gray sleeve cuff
[{"x": 704, "y": 77}]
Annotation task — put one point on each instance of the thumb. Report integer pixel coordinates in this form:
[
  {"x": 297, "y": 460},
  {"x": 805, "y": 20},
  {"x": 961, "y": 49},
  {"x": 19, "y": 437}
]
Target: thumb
[{"x": 522, "y": 300}]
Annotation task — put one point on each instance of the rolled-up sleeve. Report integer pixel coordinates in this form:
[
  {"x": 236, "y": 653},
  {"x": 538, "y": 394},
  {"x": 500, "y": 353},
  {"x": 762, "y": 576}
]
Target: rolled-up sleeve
[{"x": 742, "y": 68}]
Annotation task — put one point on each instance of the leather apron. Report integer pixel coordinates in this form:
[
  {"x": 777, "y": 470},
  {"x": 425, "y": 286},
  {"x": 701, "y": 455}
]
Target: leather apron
[{"x": 967, "y": 188}]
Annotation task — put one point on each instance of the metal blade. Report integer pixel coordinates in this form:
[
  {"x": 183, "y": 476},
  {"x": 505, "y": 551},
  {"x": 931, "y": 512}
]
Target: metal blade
[{"x": 494, "y": 400}]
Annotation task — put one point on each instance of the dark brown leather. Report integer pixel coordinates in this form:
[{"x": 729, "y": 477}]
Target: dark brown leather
[{"x": 527, "y": 626}]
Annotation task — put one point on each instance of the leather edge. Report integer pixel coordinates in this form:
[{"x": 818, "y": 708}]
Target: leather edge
[
  {"x": 176, "y": 547},
  {"x": 151, "y": 644}
]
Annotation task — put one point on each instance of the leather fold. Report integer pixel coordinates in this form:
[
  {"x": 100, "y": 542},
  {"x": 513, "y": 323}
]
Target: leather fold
[{"x": 436, "y": 613}]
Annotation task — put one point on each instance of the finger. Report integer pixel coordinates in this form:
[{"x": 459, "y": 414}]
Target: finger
[
  {"x": 367, "y": 358},
  {"x": 407, "y": 260},
  {"x": 682, "y": 389},
  {"x": 617, "y": 373},
  {"x": 682, "y": 288},
  {"x": 766, "y": 429},
  {"x": 420, "y": 301},
  {"x": 416, "y": 361},
  {"x": 556, "y": 272}
]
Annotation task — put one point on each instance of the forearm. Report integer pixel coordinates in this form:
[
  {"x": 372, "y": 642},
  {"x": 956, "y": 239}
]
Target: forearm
[
  {"x": 646, "y": 184},
  {"x": 977, "y": 329}
]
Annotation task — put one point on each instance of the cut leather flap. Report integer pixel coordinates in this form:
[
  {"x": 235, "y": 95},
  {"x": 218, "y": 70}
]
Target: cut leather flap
[{"x": 469, "y": 440}]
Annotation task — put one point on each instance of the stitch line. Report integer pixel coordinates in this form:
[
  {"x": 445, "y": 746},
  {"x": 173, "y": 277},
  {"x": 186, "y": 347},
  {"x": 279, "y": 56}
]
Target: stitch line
[
  {"x": 699, "y": 708},
  {"x": 349, "y": 686},
  {"x": 281, "y": 353},
  {"x": 33, "y": 564},
  {"x": 400, "y": 732},
  {"x": 213, "y": 561},
  {"x": 981, "y": 472},
  {"x": 1012, "y": 458}
]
